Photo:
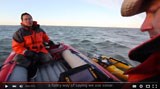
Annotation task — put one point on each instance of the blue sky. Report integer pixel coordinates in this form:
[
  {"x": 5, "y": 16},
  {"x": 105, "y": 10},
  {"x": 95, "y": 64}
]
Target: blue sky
[{"x": 101, "y": 13}]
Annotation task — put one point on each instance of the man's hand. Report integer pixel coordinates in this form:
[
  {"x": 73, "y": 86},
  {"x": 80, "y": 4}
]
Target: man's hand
[
  {"x": 51, "y": 43},
  {"x": 31, "y": 55}
]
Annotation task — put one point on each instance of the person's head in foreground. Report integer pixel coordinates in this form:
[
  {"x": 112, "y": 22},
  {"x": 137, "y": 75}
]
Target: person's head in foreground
[
  {"x": 147, "y": 53},
  {"x": 151, "y": 23}
]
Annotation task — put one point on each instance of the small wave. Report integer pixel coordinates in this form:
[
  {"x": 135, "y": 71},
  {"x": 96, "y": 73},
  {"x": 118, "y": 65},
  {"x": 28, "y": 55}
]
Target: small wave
[
  {"x": 88, "y": 35},
  {"x": 6, "y": 38},
  {"x": 74, "y": 40},
  {"x": 86, "y": 41},
  {"x": 111, "y": 44}
]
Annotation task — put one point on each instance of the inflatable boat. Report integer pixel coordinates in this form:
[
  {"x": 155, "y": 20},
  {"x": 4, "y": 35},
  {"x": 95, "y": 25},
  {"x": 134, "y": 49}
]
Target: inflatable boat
[{"x": 68, "y": 65}]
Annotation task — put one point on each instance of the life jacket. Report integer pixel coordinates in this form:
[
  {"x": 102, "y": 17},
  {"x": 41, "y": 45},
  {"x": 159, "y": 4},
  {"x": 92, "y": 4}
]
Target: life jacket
[
  {"x": 148, "y": 53},
  {"x": 29, "y": 38}
]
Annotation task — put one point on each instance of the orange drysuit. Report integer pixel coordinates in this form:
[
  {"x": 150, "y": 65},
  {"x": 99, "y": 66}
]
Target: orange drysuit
[{"x": 29, "y": 38}]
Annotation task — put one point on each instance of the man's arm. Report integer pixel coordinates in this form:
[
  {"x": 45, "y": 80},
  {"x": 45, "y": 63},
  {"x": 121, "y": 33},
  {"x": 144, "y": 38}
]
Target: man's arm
[
  {"x": 45, "y": 37},
  {"x": 18, "y": 43}
]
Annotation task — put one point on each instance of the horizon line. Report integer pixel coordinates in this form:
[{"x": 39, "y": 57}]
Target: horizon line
[{"x": 74, "y": 26}]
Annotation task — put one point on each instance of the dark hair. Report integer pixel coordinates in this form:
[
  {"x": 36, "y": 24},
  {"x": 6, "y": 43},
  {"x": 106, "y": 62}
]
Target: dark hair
[{"x": 24, "y": 14}]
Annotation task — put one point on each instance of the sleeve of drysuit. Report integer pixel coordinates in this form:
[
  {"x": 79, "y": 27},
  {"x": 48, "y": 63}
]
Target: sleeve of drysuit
[{"x": 18, "y": 43}]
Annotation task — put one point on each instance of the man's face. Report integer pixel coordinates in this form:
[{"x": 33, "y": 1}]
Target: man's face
[
  {"x": 152, "y": 20},
  {"x": 27, "y": 20}
]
